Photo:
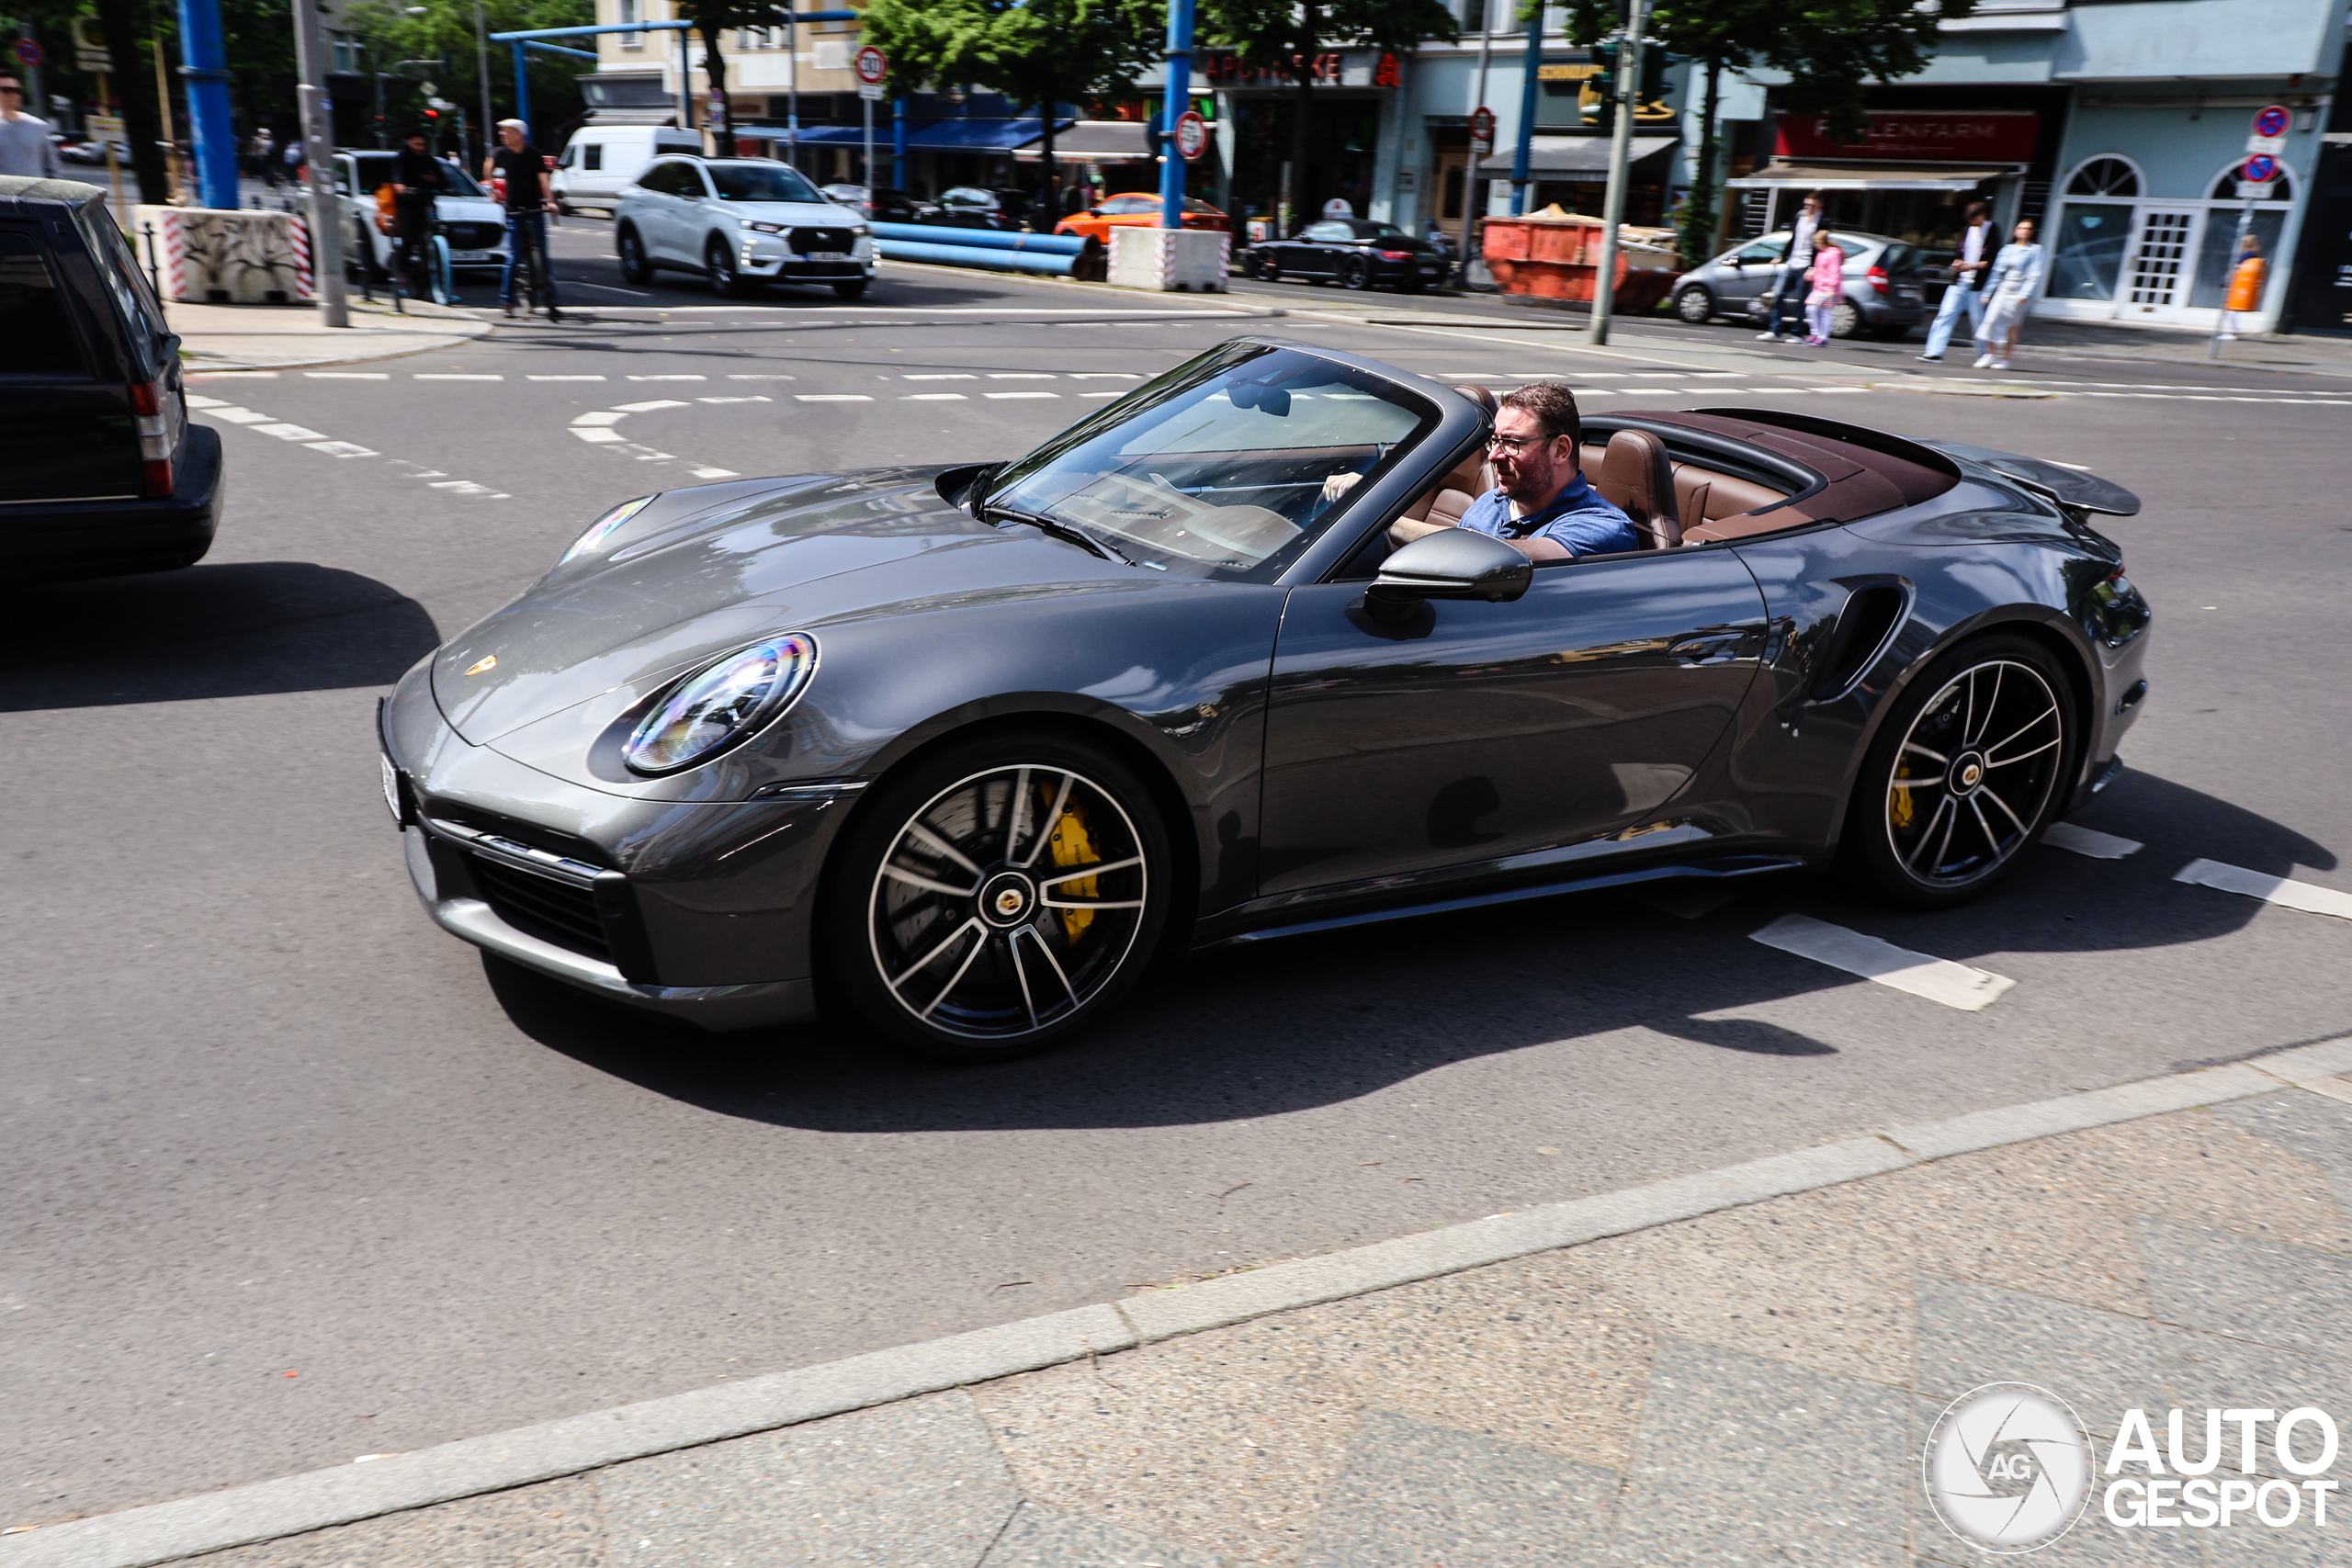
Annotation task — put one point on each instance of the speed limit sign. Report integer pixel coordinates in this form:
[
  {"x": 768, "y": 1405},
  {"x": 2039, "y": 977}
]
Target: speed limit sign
[
  {"x": 1191, "y": 135},
  {"x": 872, "y": 66}
]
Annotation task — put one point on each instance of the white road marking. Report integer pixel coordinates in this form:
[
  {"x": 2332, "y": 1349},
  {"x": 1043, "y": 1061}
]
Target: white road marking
[
  {"x": 440, "y": 375},
  {"x": 933, "y": 398},
  {"x": 563, "y": 377},
  {"x": 236, "y": 415},
  {"x": 601, "y": 416},
  {"x": 1104, "y": 375},
  {"x": 650, "y": 407},
  {"x": 595, "y": 433},
  {"x": 763, "y": 378},
  {"x": 958, "y": 376},
  {"x": 464, "y": 486},
  {"x": 1021, "y": 375},
  {"x": 2089, "y": 841},
  {"x": 349, "y": 375},
  {"x": 1937, "y": 979},
  {"x": 831, "y": 398},
  {"x": 1808, "y": 388},
  {"x": 669, "y": 377},
  {"x": 753, "y": 398},
  {"x": 2308, "y": 897},
  {"x": 1102, "y": 394},
  {"x": 342, "y": 449},
  {"x": 1021, "y": 394},
  {"x": 711, "y": 473},
  {"x": 290, "y": 432},
  {"x": 199, "y": 400}
]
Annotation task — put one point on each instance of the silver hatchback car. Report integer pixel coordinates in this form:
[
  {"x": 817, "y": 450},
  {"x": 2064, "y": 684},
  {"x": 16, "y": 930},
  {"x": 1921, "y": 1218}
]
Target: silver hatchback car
[{"x": 1885, "y": 289}]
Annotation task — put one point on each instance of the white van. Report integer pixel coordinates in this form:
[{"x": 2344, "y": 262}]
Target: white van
[{"x": 600, "y": 159}]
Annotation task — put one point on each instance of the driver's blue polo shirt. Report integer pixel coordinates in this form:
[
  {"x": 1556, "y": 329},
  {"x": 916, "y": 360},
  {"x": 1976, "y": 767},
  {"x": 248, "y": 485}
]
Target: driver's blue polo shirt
[{"x": 1578, "y": 519}]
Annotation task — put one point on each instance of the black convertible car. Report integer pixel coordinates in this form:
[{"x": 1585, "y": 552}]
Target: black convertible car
[
  {"x": 962, "y": 748},
  {"x": 1357, "y": 252}
]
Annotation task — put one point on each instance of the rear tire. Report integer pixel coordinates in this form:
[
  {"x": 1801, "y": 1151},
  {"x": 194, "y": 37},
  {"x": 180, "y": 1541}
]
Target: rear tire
[
  {"x": 1695, "y": 305},
  {"x": 1845, "y": 320},
  {"x": 960, "y": 929},
  {"x": 1355, "y": 273},
  {"x": 1268, "y": 270},
  {"x": 1968, "y": 769}
]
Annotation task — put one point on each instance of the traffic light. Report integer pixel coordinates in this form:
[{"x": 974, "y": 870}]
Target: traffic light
[{"x": 1607, "y": 56}]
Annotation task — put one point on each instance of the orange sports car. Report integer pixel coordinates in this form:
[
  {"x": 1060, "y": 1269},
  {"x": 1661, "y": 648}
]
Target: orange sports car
[{"x": 1138, "y": 209}]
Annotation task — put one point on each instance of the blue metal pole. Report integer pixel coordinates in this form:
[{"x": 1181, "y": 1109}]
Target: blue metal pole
[
  {"x": 522, "y": 84},
  {"x": 1174, "y": 101},
  {"x": 204, "y": 64},
  {"x": 899, "y": 143},
  {"x": 1527, "y": 91}
]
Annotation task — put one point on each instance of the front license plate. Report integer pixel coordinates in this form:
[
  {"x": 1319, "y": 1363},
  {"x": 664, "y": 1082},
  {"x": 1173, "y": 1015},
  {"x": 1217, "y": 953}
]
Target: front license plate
[{"x": 829, "y": 255}]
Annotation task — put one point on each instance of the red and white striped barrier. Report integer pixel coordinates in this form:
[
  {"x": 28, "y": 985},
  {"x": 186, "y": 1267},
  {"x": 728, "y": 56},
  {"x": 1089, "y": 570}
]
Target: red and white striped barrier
[{"x": 221, "y": 256}]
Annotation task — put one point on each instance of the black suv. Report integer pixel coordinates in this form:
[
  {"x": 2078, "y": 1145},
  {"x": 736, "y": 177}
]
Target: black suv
[{"x": 100, "y": 471}]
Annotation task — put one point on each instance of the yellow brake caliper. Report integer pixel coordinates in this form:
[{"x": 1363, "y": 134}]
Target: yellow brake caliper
[
  {"x": 1898, "y": 802},
  {"x": 1073, "y": 845}
]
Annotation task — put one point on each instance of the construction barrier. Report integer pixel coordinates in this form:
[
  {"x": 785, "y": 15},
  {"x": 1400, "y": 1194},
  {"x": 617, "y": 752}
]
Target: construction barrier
[
  {"x": 1056, "y": 256},
  {"x": 228, "y": 256}
]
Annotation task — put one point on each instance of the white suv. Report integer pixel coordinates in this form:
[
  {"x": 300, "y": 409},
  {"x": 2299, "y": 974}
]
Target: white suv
[{"x": 739, "y": 221}]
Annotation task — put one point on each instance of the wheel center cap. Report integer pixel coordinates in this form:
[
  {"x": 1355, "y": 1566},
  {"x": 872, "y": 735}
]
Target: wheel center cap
[
  {"x": 1007, "y": 898},
  {"x": 1967, "y": 773}
]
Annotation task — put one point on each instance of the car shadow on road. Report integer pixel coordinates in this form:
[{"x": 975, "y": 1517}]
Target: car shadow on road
[
  {"x": 231, "y": 630},
  {"x": 1328, "y": 1018}
]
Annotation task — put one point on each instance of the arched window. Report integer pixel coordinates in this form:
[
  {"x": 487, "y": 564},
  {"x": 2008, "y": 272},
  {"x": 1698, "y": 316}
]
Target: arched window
[
  {"x": 2108, "y": 175},
  {"x": 2225, "y": 186}
]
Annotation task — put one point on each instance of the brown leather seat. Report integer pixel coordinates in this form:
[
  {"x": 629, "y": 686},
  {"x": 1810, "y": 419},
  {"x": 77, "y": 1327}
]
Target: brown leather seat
[
  {"x": 1637, "y": 477},
  {"x": 1466, "y": 483}
]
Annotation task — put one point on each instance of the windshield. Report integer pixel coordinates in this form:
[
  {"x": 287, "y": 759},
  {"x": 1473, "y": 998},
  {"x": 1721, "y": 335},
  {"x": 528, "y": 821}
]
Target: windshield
[
  {"x": 761, "y": 182},
  {"x": 1228, "y": 465}
]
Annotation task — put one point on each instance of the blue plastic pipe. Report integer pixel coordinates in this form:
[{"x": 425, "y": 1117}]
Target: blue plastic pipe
[
  {"x": 204, "y": 65},
  {"x": 982, "y": 238},
  {"x": 974, "y": 255}
]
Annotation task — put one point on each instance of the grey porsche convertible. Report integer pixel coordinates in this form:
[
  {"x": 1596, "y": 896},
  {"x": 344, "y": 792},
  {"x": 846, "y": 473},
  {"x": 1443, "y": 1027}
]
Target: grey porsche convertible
[{"x": 959, "y": 750}]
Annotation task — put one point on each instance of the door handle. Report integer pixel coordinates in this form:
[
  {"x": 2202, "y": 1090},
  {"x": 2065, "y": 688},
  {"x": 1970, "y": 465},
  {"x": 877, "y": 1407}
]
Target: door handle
[{"x": 1706, "y": 646}]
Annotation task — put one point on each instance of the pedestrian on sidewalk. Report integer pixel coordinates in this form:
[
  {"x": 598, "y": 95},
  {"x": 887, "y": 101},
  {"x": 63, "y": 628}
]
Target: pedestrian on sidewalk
[
  {"x": 1789, "y": 284},
  {"x": 524, "y": 169},
  {"x": 2010, "y": 287},
  {"x": 2246, "y": 279},
  {"x": 266, "y": 157},
  {"x": 292, "y": 159},
  {"x": 1966, "y": 291},
  {"x": 418, "y": 181},
  {"x": 25, "y": 146},
  {"x": 1828, "y": 280}
]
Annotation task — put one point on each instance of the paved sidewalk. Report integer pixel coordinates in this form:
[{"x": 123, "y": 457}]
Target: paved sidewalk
[
  {"x": 279, "y": 337},
  {"x": 1751, "y": 1384}
]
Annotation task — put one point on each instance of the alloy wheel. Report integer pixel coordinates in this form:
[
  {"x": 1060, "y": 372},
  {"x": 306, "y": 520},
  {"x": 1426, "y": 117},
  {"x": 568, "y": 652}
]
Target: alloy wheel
[
  {"x": 1695, "y": 306},
  {"x": 1975, "y": 774},
  {"x": 1007, "y": 903},
  {"x": 720, "y": 261},
  {"x": 1355, "y": 273}
]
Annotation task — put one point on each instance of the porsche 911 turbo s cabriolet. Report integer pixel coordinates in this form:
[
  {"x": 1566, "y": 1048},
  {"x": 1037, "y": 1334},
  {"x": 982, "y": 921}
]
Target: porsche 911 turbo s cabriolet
[{"x": 960, "y": 749}]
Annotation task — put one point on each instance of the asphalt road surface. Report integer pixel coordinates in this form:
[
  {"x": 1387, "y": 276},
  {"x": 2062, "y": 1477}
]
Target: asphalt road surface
[{"x": 295, "y": 1177}]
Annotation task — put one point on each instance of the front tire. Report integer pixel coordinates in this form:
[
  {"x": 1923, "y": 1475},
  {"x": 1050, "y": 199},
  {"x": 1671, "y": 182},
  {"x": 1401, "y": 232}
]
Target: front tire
[
  {"x": 1695, "y": 305},
  {"x": 635, "y": 267},
  {"x": 718, "y": 264},
  {"x": 1965, "y": 773},
  {"x": 998, "y": 898}
]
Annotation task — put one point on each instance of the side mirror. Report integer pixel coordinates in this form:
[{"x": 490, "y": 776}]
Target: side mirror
[{"x": 1453, "y": 563}]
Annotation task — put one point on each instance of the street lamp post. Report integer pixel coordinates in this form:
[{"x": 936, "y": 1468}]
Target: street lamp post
[
  {"x": 481, "y": 64},
  {"x": 318, "y": 166},
  {"x": 1621, "y": 142}
]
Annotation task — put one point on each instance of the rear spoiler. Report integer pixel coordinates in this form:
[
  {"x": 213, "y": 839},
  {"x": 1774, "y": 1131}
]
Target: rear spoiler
[{"x": 2061, "y": 482}]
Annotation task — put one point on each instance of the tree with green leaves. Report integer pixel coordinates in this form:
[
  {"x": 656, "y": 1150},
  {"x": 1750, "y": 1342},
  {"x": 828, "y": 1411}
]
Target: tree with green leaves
[
  {"x": 1041, "y": 52},
  {"x": 1287, "y": 35},
  {"x": 1833, "y": 50},
  {"x": 445, "y": 32},
  {"x": 712, "y": 18}
]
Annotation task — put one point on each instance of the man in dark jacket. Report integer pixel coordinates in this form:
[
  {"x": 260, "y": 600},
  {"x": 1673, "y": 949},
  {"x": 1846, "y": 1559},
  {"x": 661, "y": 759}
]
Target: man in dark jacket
[{"x": 417, "y": 179}]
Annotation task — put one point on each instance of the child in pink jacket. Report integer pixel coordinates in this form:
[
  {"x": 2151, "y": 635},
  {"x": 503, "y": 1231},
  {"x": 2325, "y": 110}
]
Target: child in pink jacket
[{"x": 1828, "y": 280}]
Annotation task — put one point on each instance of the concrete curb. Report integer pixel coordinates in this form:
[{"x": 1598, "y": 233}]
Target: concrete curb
[{"x": 295, "y": 1504}]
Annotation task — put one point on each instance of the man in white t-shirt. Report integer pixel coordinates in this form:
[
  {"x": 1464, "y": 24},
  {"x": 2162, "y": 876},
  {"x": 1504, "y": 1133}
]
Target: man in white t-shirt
[
  {"x": 1967, "y": 289},
  {"x": 1789, "y": 287},
  {"x": 25, "y": 146}
]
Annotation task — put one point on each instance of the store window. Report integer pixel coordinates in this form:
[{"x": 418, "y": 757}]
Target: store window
[
  {"x": 2094, "y": 230},
  {"x": 631, "y": 12}
]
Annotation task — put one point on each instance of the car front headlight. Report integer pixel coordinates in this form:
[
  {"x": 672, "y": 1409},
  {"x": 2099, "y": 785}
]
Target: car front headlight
[
  {"x": 721, "y": 704},
  {"x": 603, "y": 527},
  {"x": 860, "y": 231},
  {"x": 765, "y": 228}
]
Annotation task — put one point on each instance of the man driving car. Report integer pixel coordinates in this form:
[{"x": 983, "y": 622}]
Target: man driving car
[{"x": 1542, "y": 504}]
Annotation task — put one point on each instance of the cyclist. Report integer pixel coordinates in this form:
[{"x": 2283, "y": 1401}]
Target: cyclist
[
  {"x": 523, "y": 168},
  {"x": 416, "y": 180}
]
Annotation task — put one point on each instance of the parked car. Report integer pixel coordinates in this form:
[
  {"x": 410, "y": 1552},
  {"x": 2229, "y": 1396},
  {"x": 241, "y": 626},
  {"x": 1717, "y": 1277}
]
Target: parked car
[
  {"x": 739, "y": 222},
  {"x": 80, "y": 150},
  {"x": 963, "y": 748},
  {"x": 100, "y": 471},
  {"x": 601, "y": 160},
  {"x": 1359, "y": 253},
  {"x": 878, "y": 204},
  {"x": 474, "y": 225},
  {"x": 1885, "y": 287},
  {"x": 969, "y": 207},
  {"x": 1138, "y": 209}
]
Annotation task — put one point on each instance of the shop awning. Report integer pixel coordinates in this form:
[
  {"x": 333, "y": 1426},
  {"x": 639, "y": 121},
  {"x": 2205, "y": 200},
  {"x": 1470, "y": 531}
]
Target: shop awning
[
  {"x": 1094, "y": 141},
  {"x": 1550, "y": 157},
  {"x": 924, "y": 136},
  {"x": 1871, "y": 176}
]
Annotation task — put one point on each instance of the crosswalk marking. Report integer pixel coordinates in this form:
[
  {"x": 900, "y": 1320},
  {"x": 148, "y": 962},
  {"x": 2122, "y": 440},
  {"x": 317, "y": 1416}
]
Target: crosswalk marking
[
  {"x": 2308, "y": 897},
  {"x": 290, "y": 432},
  {"x": 1937, "y": 979},
  {"x": 2089, "y": 841}
]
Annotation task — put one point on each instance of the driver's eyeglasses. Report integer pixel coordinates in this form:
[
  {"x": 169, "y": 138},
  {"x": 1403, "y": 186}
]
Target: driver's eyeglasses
[{"x": 1512, "y": 444}]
